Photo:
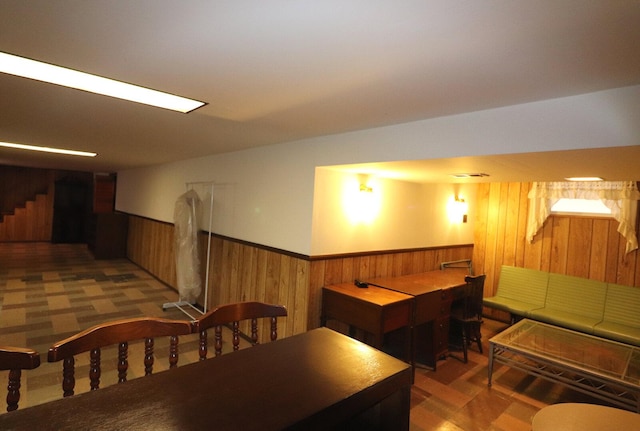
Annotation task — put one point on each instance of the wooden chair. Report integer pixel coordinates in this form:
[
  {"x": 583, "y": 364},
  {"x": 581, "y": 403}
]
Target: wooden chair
[
  {"x": 466, "y": 313},
  {"x": 120, "y": 333},
  {"x": 16, "y": 359},
  {"x": 233, "y": 314}
]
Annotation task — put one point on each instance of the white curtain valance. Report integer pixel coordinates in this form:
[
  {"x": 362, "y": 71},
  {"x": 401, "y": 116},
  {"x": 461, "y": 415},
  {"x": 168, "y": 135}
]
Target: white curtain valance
[{"x": 619, "y": 196}]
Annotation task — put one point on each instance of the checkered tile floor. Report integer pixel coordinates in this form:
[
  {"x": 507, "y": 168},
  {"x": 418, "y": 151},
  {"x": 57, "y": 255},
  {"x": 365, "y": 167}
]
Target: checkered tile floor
[{"x": 51, "y": 291}]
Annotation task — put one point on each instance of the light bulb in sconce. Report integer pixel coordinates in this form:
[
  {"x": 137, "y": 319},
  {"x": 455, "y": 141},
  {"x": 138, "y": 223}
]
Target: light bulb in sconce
[{"x": 365, "y": 187}]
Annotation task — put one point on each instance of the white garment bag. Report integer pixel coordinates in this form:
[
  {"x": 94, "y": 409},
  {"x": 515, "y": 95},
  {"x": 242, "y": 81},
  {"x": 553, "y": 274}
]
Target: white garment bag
[{"x": 186, "y": 216}]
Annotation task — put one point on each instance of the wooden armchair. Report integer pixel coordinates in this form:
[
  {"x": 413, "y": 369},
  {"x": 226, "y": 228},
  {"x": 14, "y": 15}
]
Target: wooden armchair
[
  {"x": 16, "y": 359},
  {"x": 466, "y": 313},
  {"x": 233, "y": 314},
  {"x": 119, "y": 333}
]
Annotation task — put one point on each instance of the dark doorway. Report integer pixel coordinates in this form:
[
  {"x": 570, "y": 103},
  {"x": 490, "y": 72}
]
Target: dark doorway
[{"x": 71, "y": 206}]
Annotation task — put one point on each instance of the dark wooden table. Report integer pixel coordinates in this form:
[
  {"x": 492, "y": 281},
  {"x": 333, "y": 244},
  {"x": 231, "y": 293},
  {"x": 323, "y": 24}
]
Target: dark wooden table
[
  {"x": 433, "y": 292},
  {"x": 319, "y": 380},
  {"x": 373, "y": 309}
]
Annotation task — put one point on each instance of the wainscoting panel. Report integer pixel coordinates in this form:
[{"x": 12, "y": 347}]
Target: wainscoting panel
[
  {"x": 150, "y": 245},
  {"x": 240, "y": 271}
]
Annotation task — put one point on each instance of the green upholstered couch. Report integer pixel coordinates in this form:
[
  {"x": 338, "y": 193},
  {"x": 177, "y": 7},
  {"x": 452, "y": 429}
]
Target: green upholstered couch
[{"x": 603, "y": 309}]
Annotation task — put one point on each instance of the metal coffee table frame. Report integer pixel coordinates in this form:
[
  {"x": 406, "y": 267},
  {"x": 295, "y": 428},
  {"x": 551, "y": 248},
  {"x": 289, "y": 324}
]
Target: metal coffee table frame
[{"x": 595, "y": 366}]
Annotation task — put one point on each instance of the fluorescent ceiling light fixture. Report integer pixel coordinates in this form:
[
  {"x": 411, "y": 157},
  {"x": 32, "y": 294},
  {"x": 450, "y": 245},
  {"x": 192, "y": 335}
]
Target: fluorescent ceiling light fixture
[
  {"x": 584, "y": 179},
  {"x": 470, "y": 175},
  {"x": 47, "y": 149},
  {"x": 50, "y": 73}
]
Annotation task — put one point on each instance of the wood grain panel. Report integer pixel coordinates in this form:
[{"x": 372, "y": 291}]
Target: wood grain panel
[
  {"x": 579, "y": 246},
  {"x": 510, "y": 194},
  {"x": 150, "y": 245},
  {"x": 480, "y": 236},
  {"x": 613, "y": 245},
  {"x": 522, "y": 203},
  {"x": 559, "y": 244},
  {"x": 598, "y": 255}
]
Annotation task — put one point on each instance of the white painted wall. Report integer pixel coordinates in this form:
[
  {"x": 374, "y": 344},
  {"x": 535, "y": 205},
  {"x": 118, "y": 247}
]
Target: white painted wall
[
  {"x": 259, "y": 195},
  {"x": 267, "y": 194},
  {"x": 394, "y": 215}
]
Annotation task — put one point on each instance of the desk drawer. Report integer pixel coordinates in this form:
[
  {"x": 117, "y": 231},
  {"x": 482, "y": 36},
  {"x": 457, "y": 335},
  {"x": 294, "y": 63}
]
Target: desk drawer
[
  {"x": 428, "y": 307},
  {"x": 446, "y": 298},
  {"x": 351, "y": 311},
  {"x": 397, "y": 316}
]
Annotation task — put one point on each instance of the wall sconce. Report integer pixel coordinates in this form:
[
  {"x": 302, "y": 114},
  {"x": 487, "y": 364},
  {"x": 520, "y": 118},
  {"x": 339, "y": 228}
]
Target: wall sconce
[
  {"x": 362, "y": 200},
  {"x": 363, "y": 179},
  {"x": 457, "y": 210},
  {"x": 365, "y": 188}
]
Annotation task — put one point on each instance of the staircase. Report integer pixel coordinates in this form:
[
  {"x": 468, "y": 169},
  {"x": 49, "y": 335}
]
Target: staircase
[{"x": 31, "y": 222}]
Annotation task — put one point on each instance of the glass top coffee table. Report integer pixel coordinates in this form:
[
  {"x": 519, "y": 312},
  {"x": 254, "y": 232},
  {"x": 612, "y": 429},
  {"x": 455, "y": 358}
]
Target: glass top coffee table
[{"x": 599, "y": 367}]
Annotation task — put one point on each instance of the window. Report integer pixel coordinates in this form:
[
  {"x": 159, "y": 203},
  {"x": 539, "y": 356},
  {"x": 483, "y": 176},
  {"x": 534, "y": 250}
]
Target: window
[
  {"x": 580, "y": 207},
  {"x": 620, "y": 197}
]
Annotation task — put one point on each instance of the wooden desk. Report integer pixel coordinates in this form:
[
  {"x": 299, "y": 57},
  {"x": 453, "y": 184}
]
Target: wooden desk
[
  {"x": 318, "y": 380},
  {"x": 373, "y": 309},
  {"x": 433, "y": 292}
]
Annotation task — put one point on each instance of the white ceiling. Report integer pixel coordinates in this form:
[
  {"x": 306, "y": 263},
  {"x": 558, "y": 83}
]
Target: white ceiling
[{"x": 282, "y": 70}]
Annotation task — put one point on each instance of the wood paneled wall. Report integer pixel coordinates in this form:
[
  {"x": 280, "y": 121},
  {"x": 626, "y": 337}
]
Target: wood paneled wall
[
  {"x": 150, "y": 245},
  {"x": 240, "y": 271},
  {"x": 246, "y": 272},
  {"x": 237, "y": 271},
  {"x": 588, "y": 247}
]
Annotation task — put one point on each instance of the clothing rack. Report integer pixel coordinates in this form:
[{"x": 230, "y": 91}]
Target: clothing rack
[{"x": 186, "y": 306}]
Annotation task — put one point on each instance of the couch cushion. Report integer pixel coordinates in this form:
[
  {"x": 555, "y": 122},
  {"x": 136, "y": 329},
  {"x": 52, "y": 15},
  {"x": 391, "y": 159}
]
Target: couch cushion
[
  {"x": 511, "y": 305},
  {"x": 565, "y": 319},
  {"x": 573, "y": 302},
  {"x": 519, "y": 290},
  {"x": 576, "y": 295},
  {"x": 622, "y": 305},
  {"x": 615, "y": 331},
  {"x": 521, "y": 284}
]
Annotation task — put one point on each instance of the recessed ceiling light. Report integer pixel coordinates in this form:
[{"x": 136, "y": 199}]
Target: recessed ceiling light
[
  {"x": 47, "y": 149},
  {"x": 52, "y": 74},
  {"x": 584, "y": 179}
]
